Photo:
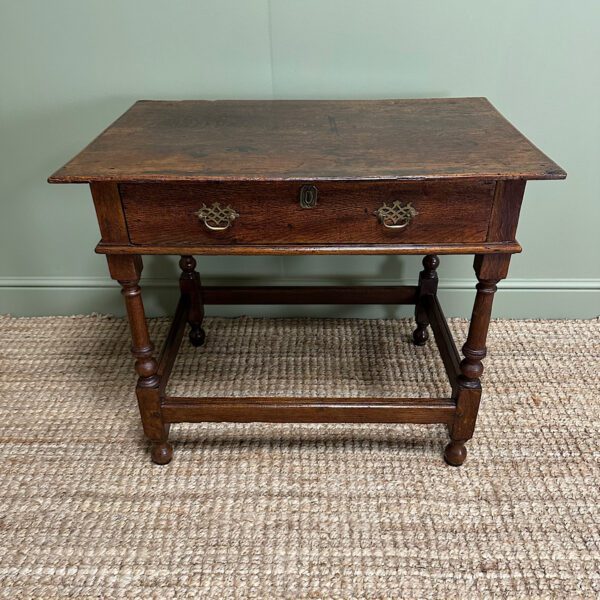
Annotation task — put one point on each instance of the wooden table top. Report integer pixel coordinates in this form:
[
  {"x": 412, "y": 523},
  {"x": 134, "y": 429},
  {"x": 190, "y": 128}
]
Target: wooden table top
[{"x": 196, "y": 140}]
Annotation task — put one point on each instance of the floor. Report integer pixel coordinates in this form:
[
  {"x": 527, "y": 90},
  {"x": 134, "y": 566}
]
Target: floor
[{"x": 298, "y": 511}]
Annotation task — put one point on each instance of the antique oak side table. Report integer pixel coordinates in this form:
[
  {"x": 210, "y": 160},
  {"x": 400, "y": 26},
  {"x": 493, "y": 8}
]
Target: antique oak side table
[{"x": 428, "y": 177}]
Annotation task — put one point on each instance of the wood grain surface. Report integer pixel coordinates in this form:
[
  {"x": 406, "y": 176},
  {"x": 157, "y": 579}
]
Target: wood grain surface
[{"x": 197, "y": 140}]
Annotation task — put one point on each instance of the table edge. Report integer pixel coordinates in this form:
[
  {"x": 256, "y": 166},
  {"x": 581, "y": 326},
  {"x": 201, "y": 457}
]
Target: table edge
[{"x": 287, "y": 249}]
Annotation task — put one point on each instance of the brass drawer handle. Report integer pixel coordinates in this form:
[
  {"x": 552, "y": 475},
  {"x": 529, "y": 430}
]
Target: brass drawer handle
[
  {"x": 217, "y": 217},
  {"x": 396, "y": 216}
]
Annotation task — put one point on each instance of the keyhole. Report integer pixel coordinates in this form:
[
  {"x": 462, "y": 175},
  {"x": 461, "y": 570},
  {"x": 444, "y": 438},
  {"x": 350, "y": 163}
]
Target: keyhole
[{"x": 308, "y": 196}]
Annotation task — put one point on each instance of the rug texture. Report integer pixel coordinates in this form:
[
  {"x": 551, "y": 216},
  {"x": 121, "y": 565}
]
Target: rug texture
[{"x": 289, "y": 510}]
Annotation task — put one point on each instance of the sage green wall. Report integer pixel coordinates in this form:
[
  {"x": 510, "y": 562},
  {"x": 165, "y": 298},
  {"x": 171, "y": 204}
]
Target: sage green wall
[{"x": 69, "y": 67}]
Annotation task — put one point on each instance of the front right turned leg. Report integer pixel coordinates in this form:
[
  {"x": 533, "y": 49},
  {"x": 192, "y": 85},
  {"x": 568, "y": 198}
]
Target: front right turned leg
[
  {"x": 127, "y": 271},
  {"x": 490, "y": 269}
]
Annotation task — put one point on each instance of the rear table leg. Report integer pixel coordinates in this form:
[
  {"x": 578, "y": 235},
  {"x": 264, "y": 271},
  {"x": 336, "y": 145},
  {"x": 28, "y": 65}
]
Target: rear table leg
[
  {"x": 190, "y": 286},
  {"x": 428, "y": 281}
]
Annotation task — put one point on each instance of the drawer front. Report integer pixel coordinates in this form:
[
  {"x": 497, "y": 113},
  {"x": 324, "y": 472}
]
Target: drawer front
[{"x": 259, "y": 213}]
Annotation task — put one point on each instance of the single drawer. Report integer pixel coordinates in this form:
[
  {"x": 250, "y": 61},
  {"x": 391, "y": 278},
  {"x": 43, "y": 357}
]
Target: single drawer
[{"x": 253, "y": 213}]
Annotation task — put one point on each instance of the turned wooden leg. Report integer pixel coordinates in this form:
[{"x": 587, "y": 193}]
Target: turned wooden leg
[
  {"x": 490, "y": 269},
  {"x": 147, "y": 389},
  {"x": 428, "y": 282},
  {"x": 189, "y": 284},
  {"x": 127, "y": 271}
]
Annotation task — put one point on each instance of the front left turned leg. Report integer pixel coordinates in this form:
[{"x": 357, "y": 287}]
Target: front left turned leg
[
  {"x": 147, "y": 389},
  {"x": 190, "y": 286},
  {"x": 127, "y": 271},
  {"x": 490, "y": 269}
]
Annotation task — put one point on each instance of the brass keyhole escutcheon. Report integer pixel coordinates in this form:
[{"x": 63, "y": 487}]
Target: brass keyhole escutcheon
[{"x": 308, "y": 196}]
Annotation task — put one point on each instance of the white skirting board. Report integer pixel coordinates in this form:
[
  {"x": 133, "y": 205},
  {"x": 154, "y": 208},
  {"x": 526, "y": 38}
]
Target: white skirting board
[{"x": 516, "y": 298}]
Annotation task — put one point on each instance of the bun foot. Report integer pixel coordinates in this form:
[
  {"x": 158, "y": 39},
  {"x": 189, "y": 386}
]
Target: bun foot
[
  {"x": 420, "y": 335},
  {"x": 455, "y": 453},
  {"x": 197, "y": 336},
  {"x": 162, "y": 453}
]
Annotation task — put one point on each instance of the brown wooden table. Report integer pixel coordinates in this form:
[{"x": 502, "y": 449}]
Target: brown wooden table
[{"x": 429, "y": 177}]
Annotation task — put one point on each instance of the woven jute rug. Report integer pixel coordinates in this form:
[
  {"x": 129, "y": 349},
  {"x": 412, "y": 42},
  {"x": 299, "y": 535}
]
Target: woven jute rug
[{"x": 298, "y": 511}]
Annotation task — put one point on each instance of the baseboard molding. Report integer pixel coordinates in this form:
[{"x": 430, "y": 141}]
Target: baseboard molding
[
  {"x": 156, "y": 282},
  {"x": 518, "y": 298}
]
